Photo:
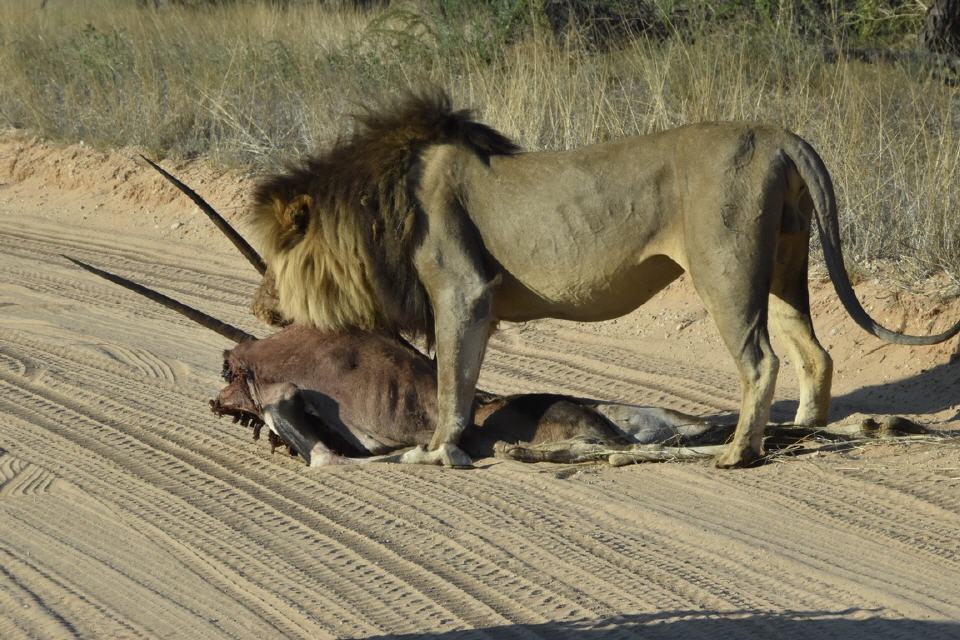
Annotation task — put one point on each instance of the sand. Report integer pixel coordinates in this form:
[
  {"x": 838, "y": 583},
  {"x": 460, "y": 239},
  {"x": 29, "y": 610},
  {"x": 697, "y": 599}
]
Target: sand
[{"x": 128, "y": 510}]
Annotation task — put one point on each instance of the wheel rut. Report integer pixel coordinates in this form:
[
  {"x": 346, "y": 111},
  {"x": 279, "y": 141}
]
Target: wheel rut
[{"x": 180, "y": 524}]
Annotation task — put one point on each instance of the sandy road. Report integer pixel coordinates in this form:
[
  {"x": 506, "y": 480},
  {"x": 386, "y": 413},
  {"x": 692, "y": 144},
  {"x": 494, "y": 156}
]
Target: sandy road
[{"x": 128, "y": 510}]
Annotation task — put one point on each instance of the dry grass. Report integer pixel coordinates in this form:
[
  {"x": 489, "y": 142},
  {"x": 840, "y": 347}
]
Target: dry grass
[{"x": 255, "y": 85}]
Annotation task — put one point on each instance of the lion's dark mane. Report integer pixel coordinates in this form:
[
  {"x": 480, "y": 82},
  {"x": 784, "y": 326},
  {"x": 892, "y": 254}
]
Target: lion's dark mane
[{"x": 362, "y": 190}]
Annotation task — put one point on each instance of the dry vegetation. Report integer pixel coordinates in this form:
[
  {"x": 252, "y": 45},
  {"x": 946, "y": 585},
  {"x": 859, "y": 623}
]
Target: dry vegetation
[{"x": 255, "y": 84}]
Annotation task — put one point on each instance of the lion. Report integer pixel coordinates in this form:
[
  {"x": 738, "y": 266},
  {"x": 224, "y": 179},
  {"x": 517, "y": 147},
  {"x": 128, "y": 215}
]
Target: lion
[{"x": 426, "y": 222}]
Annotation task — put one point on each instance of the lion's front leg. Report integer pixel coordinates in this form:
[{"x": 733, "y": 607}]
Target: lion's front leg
[
  {"x": 454, "y": 270},
  {"x": 462, "y": 331},
  {"x": 463, "y": 323}
]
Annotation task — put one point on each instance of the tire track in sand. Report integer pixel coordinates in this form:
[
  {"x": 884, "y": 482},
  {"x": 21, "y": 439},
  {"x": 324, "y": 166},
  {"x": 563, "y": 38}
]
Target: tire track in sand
[{"x": 107, "y": 396}]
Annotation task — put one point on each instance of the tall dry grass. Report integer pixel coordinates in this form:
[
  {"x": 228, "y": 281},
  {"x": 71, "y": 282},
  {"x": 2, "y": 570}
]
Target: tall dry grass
[{"x": 250, "y": 83}]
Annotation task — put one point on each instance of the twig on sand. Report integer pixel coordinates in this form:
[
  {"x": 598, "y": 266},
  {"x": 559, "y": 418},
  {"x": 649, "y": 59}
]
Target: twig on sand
[{"x": 783, "y": 441}]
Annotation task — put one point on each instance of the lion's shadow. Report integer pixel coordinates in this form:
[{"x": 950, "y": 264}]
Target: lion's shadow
[{"x": 851, "y": 624}]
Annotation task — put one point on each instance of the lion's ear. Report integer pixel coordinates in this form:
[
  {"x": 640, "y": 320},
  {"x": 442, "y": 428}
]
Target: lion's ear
[{"x": 296, "y": 215}]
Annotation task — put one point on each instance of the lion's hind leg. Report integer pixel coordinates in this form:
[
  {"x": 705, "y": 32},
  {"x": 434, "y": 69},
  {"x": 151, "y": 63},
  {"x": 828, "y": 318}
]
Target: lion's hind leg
[
  {"x": 790, "y": 315},
  {"x": 741, "y": 318},
  {"x": 734, "y": 284},
  {"x": 757, "y": 364}
]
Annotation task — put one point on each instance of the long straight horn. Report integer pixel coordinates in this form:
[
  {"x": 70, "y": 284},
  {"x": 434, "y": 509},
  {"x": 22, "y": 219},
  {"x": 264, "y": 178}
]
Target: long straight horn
[
  {"x": 248, "y": 252},
  {"x": 224, "y": 329}
]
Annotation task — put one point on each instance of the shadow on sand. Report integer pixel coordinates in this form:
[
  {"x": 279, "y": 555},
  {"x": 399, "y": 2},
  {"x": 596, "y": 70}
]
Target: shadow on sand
[
  {"x": 728, "y": 625},
  {"x": 930, "y": 391}
]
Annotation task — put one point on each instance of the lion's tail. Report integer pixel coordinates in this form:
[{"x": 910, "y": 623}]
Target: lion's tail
[{"x": 815, "y": 175}]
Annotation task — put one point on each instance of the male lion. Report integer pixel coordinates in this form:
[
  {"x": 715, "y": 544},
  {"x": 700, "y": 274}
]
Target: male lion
[{"x": 425, "y": 221}]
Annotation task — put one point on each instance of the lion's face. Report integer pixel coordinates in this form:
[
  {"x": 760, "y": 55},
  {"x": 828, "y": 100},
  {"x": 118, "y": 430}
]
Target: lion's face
[{"x": 320, "y": 272}]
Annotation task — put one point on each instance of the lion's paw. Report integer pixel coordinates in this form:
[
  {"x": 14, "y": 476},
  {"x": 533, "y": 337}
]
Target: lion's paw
[
  {"x": 737, "y": 458},
  {"x": 454, "y": 456},
  {"x": 449, "y": 455}
]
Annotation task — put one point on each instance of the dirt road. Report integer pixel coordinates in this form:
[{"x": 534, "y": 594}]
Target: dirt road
[{"x": 128, "y": 510}]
